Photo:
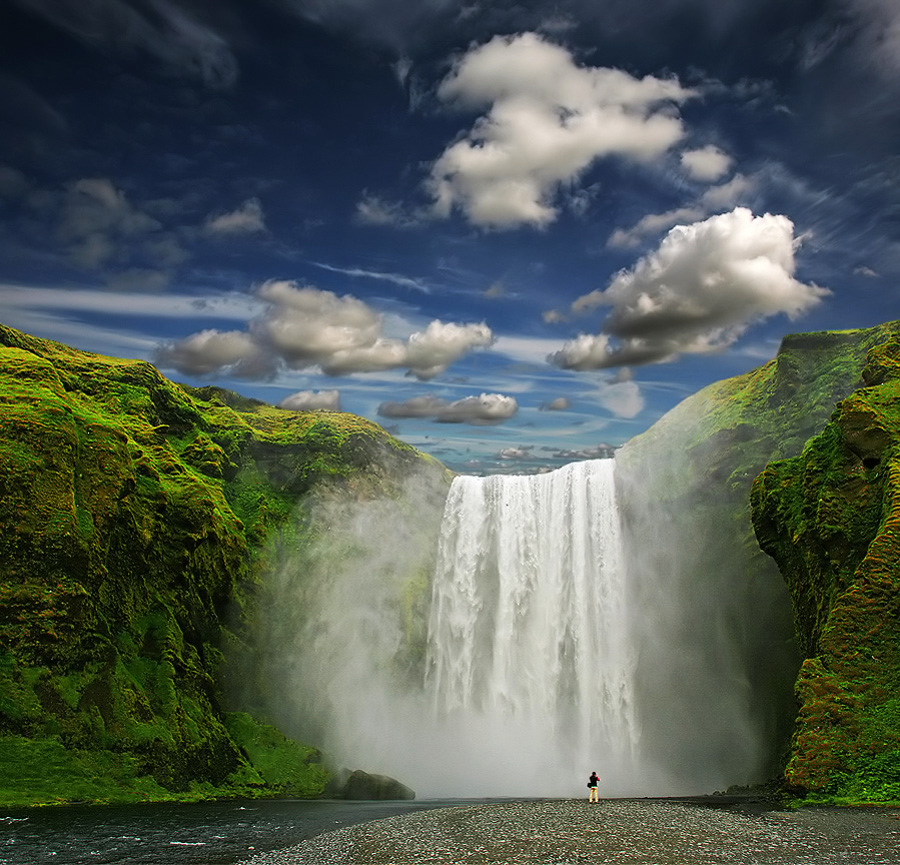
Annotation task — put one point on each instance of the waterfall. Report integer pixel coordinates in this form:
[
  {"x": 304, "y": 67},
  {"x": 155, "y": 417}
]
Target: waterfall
[
  {"x": 509, "y": 637},
  {"x": 529, "y": 632}
]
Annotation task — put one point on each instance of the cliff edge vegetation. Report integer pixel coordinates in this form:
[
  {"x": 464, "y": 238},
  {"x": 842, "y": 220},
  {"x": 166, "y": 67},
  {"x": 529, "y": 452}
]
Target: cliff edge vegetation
[
  {"x": 830, "y": 517},
  {"x": 134, "y": 519}
]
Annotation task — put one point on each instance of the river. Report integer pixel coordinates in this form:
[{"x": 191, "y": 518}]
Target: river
[{"x": 208, "y": 833}]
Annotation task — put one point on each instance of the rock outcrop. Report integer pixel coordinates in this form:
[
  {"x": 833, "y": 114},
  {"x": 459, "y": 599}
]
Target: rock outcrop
[
  {"x": 830, "y": 518},
  {"x": 364, "y": 786}
]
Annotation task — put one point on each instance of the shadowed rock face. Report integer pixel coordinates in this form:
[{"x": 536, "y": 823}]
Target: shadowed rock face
[
  {"x": 364, "y": 786},
  {"x": 831, "y": 520},
  {"x": 134, "y": 515}
]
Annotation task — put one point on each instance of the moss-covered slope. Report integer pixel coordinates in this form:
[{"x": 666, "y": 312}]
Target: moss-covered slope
[
  {"x": 831, "y": 519},
  {"x": 133, "y": 513},
  {"x": 687, "y": 486}
]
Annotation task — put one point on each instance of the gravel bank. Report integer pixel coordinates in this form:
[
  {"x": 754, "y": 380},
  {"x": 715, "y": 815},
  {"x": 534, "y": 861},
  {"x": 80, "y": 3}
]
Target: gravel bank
[{"x": 565, "y": 832}]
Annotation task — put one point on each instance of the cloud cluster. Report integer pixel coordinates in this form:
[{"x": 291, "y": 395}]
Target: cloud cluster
[
  {"x": 548, "y": 120},
  {"x": 164, "y": 30},
  {"x": 303, "y": 327},
  {"x": 600, "y": 452},
  {"x": 697, "y": 293},
  {"x": 520, "y": 453},
  {"x": 488, "y": 408},
  {"x": 309, "y": 400}
]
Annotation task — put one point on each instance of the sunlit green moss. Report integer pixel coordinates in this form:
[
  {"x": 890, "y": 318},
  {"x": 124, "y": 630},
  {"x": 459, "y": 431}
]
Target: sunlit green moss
[
  {"x": 831, "y": 519},
  {"x": 133, "y": 516}
]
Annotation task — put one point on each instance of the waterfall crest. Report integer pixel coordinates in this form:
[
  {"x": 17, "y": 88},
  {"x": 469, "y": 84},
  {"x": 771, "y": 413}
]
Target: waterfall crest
[{"x": 529, "y": 628}]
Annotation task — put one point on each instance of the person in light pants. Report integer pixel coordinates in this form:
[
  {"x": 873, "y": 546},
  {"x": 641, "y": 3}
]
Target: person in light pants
[{"x": 593, "y": 781}]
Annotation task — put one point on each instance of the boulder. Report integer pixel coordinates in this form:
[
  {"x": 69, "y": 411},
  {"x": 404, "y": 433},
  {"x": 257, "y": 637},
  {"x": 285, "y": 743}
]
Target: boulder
[{"x": 365, "y": 786}]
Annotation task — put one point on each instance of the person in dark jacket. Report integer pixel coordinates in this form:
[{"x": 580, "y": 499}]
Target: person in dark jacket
[{"x": 593, "y": 781}]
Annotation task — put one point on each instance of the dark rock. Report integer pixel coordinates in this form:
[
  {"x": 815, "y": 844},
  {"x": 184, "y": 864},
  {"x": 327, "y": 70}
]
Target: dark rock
[{"x": 364, "y": 786}]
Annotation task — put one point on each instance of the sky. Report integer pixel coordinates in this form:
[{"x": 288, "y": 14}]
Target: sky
[{"x": 513, "y": 233}]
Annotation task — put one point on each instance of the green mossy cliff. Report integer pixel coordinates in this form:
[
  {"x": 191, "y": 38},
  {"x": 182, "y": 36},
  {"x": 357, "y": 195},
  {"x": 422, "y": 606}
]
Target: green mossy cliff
[
  {"x": 830, "y": 517},
  {"x": 688, "y": 482},
  {"x": 134, "y": 515}
]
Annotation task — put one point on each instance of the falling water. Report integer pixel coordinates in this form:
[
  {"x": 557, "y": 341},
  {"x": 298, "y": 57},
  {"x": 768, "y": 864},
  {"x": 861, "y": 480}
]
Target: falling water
[
  {"x": 529, "y": 633},
  {"x": 524, "y": 637}
]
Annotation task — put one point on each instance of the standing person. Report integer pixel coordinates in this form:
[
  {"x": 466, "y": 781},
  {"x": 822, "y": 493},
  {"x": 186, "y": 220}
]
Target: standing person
[{"x": 593, "y": 781}]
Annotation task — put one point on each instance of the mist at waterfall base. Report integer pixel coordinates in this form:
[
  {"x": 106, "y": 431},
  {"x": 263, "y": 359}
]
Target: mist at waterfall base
[{"x": 526, "y": 630}]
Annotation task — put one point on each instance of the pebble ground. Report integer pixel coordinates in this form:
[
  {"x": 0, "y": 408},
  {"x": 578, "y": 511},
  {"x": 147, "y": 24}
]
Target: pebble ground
[{"x": 649, "y": 832}]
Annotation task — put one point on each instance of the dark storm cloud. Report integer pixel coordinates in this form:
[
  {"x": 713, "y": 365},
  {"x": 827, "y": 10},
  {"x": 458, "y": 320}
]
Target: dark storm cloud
[{"x": 164, "y": 30}]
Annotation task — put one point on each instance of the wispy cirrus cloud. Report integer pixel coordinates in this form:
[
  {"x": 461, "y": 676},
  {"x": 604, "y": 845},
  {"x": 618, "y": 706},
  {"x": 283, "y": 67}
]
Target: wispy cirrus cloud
[
  {"x": 181, "y": 43},
  {"x": 379, "y": 275}
]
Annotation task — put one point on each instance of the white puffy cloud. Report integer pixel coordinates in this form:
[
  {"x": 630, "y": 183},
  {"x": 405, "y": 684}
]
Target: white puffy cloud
[
  {"x": 488, "y": 408},
  {"x": 698, "y": 292},
  {"x": 245, "y": 219},
  {"x": 431, "y": 351},
  {"x": 713, "y": 199},
  {"x": 706, "y": 164},
  {"x": 548, "y": 120},
  {"x": 309, "y": 400},
  {"x": 302, "y": 327}
]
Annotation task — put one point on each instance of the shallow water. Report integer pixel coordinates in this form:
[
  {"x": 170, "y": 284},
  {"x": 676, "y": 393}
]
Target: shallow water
[{"x": 209, "y": 833}]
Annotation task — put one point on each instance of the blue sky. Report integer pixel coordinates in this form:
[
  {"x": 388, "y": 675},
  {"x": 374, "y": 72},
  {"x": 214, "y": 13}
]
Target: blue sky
[{"x": 514, "y": 234}]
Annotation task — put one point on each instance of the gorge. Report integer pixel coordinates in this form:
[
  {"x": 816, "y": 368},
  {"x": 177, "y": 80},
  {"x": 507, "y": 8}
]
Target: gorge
[{"x": 189, "y": 576}]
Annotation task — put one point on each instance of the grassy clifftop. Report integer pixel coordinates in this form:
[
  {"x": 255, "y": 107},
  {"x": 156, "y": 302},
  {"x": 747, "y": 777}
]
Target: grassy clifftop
[
  {"x": 830, "y": 517},
  {"x": 133, "y": 518}
]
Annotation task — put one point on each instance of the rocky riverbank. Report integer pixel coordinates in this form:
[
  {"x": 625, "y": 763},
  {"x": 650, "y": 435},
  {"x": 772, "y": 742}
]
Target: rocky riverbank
[{"x": 565, "y": 832}]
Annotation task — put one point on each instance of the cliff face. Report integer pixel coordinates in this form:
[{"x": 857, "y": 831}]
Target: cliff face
[
  {"x": 831, "y": 520},
  {"x": 687, "y": 483},
  {"x": 134, "y": 515}
]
